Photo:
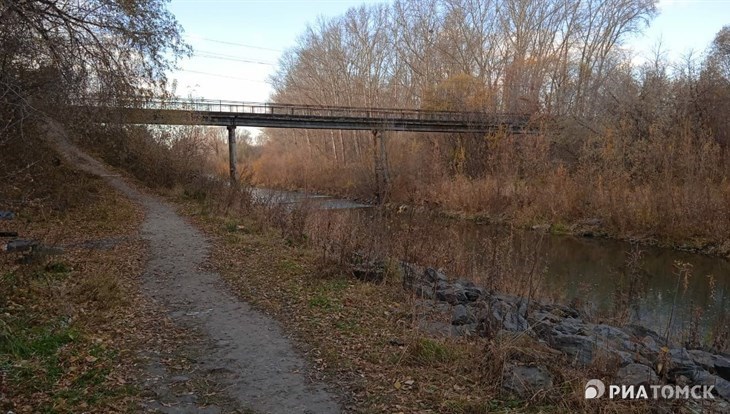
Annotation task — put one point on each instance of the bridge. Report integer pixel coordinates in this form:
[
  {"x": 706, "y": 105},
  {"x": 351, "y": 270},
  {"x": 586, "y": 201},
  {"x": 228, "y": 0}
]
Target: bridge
[
  {"x": 231, "y": 114},
  {"x": 275, "y": 115}
]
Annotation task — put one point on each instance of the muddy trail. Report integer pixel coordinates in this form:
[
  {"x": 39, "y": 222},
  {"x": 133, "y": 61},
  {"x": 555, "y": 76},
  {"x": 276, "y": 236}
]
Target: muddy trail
[{"x": 247, "y": 352}]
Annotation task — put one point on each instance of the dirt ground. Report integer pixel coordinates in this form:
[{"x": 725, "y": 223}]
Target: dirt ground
[{"x": 242, "y": 350}]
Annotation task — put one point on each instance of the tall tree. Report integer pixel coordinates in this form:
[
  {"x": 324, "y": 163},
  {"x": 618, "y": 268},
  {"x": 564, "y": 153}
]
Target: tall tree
[{"x": 91, "y": 48}]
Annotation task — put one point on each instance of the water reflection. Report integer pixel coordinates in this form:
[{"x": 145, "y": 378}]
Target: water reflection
[
  {"x": 588, "y": 272},
  {"x": 316, "y": 201},
  {"x": 584, "y": 271}
]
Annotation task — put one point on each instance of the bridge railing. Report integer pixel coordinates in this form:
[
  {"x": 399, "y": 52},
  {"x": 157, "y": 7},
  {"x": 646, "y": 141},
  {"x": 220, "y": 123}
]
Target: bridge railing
[{"x": 293, "y": 110}]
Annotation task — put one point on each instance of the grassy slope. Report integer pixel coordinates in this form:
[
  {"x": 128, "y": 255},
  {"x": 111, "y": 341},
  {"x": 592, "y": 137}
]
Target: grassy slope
[
  {"x": 76, "y": 330},
  {"x": 65, "y": 334}
]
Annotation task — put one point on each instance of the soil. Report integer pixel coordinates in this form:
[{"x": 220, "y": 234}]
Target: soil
[{"x": 244, "y": 351}]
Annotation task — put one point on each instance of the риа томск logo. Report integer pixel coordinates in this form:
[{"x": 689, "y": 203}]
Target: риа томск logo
[{"x": 595, "y": 388}]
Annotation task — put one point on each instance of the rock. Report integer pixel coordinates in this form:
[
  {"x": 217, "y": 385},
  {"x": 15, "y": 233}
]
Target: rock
[
  {"x": 722, "y": 367},
  {"x": 425, "y": 292},
  {"x": 579, "y": 348},
  {"x": 681, "y": 364},
  {"x": 716, "y": 406},
  {"x": 373, "y": 271},
  {"x": 462, "y": 316},
  {"x": 19, "y": 245},
  {"x": 704, "y": 359},
  {"x": 561, "y": 311},
  {"x": 715, "y": 364},
  {"x": 625, "y": 358},
  {"x": 6, "y": 215},
  {"x": 572, "y": 326},
  {"x": 525, "y": 381},
  {"x": 435, "y": 328},
  {"x": 640, "y": 332},
  {"x": 504, "y": 313},
  {"x": 434, "y": 275},
  {"x": 680, "y": 358},
  {"x": 621, "y": 344},
  {"x": 610, "y": 333},
  {"x": 543, "y": 317},
  {"x": 636, "y": 349},
  {"x": 473, "y": 293},
  {"x": 409, "y": 272},
  {"x": 646, "y": 342},
  {"x": 452, "y": 295},
  {"x": 636, "y": 374},
  {"x": 722, "y": 386}
]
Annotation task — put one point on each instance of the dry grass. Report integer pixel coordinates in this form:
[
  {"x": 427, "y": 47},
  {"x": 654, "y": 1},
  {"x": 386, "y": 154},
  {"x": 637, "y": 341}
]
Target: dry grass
[
  {"x": 74, "y": 326},
  {"x": 65, "y": 317},
  {"x": 371, "y": 339},
  {"x": 670, "y": 187}
]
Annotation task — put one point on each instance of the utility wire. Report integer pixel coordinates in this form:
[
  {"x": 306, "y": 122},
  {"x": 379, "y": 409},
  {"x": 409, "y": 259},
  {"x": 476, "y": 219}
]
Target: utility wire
[
  {"x": 222, "y": 76},
  {"x": 217, "y": 55},
  {"x": 225, "y": 42},
  {"x": 232, "y": 59}
]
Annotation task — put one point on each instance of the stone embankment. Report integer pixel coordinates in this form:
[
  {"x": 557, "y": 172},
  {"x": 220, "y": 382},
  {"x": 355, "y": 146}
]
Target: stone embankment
[{"x": 640, "y": 355}]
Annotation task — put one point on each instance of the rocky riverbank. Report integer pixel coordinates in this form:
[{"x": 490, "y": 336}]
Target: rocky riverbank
[{"x": 637, "y": 356}]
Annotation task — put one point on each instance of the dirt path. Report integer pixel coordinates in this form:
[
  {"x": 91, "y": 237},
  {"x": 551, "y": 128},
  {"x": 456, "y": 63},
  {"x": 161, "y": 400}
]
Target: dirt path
[{"x": 252, "y": 356}]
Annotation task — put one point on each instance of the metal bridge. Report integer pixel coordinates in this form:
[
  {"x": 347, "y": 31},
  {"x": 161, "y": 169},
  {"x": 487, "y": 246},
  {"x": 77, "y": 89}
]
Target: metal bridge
[{"x": 274, "y": 115}]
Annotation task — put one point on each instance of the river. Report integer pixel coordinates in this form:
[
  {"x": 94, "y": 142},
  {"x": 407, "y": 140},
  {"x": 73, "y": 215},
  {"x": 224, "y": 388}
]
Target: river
[{"x": 608, "y": 279}]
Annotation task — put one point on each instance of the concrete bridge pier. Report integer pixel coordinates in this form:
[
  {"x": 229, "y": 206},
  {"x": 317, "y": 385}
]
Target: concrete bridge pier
[
  {"x": 232, "y": 153},
  {"x": 382, "y": 177}
]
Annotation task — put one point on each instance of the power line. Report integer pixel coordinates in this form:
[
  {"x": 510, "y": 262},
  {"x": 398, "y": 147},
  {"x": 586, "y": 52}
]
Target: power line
[
  {"x": 226, "y": 42},
  {"x": 226, "y": 56},
  {"x": 232, "y": 59},
  {"x": 222, "y": 76}
]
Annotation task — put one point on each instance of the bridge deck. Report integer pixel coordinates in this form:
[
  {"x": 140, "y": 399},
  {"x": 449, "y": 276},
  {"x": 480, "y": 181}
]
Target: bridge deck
[{"x": 222, "y": 113}]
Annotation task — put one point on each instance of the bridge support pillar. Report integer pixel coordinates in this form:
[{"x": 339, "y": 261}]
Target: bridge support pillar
[
  {"x": 382, "y": 177},
  {"x": 232, "y": 153}
]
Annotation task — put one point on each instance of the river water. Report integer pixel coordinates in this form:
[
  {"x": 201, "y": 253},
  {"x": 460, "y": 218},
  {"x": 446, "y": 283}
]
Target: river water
[{"x": 662, "y": 289}]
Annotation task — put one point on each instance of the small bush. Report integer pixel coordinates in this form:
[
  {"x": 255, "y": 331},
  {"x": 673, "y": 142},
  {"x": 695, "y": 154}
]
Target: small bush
[{"x": 427, "y": 351}]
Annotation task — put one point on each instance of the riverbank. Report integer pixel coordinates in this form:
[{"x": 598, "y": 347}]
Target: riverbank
[
  {"x": 377, "y": 340},
  {"x": 596, "y": 228},
  {"x": 592, "y": 227}
]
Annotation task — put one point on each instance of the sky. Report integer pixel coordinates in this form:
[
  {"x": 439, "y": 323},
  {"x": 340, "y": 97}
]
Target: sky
[{"x": 237, "y": 43}]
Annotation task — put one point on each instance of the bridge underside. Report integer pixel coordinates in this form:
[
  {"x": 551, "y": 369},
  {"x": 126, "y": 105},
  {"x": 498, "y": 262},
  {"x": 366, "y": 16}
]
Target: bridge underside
[
  {"x": 424, "y": 123},
  {"x": 269, "y": 115}
]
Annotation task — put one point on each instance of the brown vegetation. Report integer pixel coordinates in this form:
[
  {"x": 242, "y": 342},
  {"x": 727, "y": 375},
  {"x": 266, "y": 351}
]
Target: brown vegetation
[
  {"x": 370, "y": 338},
  {"x": 66, "y": 344},
  {"x": 640, "y": 148}
]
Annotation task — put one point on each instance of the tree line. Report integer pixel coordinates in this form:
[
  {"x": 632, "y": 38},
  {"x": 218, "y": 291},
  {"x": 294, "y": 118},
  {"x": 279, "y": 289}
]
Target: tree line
[{"x": 641, "y": 146}]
